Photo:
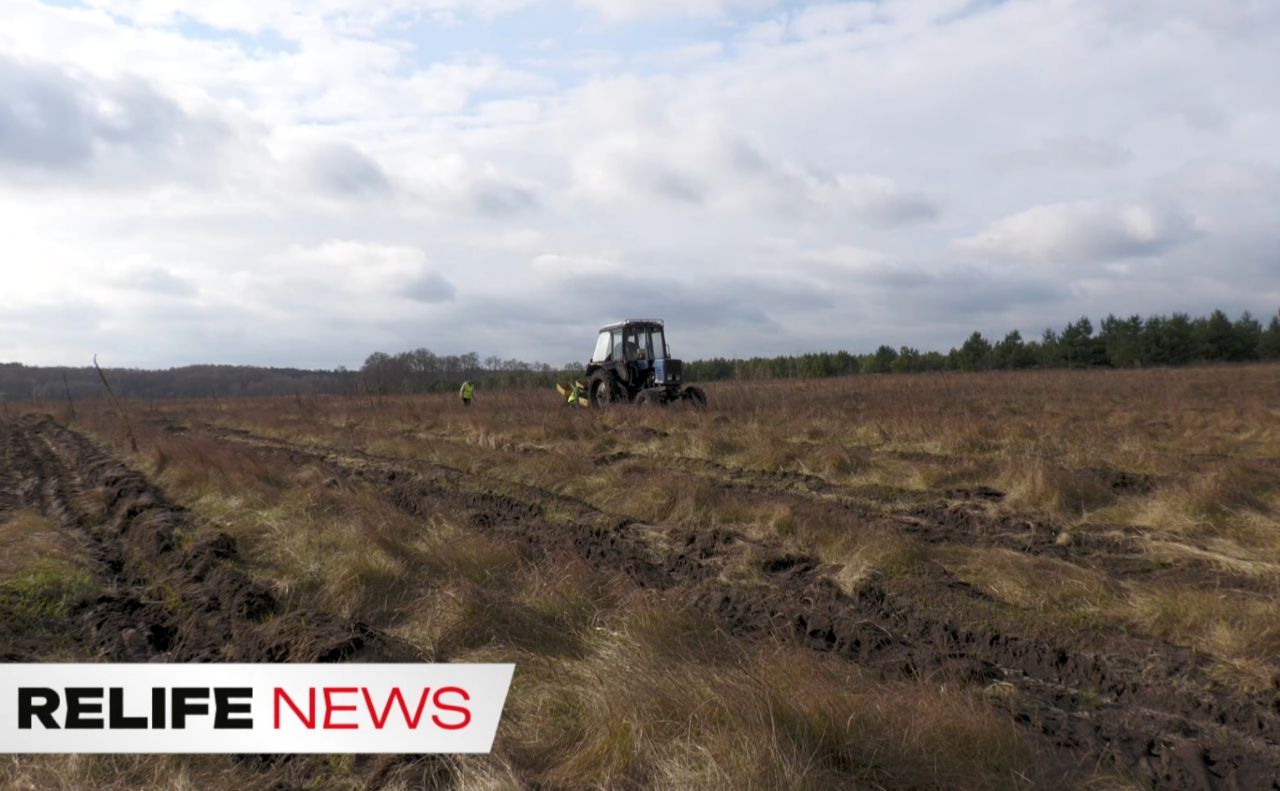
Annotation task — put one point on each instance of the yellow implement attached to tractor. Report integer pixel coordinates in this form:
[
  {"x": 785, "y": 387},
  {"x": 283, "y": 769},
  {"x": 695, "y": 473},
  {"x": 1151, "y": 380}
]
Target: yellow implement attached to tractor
[{"x": 575, "y": 393}]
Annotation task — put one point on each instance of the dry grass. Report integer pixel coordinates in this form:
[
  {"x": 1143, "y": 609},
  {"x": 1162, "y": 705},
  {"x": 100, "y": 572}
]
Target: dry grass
[
  {"x": 1043, "y": 589},
  {"x": 619, "y": 688},
  {"x": 30, "y": 543},
  {"x": 663, "y": 700},
  {"x": 1243, "y": 631}
]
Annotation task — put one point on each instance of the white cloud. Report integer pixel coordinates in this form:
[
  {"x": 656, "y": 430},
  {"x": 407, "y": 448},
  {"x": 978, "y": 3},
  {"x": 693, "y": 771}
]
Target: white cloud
[
  {"x": 337, "y": 267},
  {"x": 342, "y": 169},
  {"x": 1068, "y": 153},
  {"x": 626, "y": 10},
  {"x": 142, "y": 275},
  {"x": 57, "y": 124},
  {"x": 1087, "y": 232},
  {"x": 831, "y": 18}
]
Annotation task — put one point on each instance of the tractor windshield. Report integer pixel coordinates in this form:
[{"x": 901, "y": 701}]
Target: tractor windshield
[
  {"x": 602, "y": 348},
  {"x": 633, "y": 347},
  {"x": 659, "y": 344}
]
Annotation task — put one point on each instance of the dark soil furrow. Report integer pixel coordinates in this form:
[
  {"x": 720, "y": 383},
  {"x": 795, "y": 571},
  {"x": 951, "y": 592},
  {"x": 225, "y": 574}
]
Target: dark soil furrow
[
  {"x": 449, "y": 477},
  {"x": 963, "y": 517},
  {"x": 10, "y": 500},
  {"x": 1120, "y": 553},
  {"x": 175, "y": 593}
]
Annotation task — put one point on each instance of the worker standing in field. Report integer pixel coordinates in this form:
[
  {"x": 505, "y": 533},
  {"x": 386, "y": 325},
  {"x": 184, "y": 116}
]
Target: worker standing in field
[{"x": 467, "y": 392}]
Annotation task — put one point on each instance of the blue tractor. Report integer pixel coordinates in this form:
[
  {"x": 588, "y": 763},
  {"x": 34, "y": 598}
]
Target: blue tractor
[{"x": 631, "y": 364}]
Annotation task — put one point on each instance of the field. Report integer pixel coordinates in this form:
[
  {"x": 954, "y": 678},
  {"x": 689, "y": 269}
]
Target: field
[{"x": 1026, "y": 580}]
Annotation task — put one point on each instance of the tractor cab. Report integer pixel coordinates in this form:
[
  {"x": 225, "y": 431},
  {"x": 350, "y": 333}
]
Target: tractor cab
[{"x": 639, "y": 344}]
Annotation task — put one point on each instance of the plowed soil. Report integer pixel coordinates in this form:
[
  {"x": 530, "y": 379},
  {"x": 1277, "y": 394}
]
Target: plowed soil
[
  {"x": 170, "y": 597},
  {"x": 1151, "y": 710}
]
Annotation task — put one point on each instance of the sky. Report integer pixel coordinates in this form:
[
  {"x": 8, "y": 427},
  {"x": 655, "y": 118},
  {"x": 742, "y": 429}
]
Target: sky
[{"x": 303, "y": 182}]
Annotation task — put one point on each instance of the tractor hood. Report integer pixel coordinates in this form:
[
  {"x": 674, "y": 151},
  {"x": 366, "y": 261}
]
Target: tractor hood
[{"x": 667, "y": 371}]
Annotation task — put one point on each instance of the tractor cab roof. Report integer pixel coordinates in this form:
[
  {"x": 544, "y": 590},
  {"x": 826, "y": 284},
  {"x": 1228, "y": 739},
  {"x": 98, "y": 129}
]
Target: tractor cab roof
[{"x": 632, "y": 323}]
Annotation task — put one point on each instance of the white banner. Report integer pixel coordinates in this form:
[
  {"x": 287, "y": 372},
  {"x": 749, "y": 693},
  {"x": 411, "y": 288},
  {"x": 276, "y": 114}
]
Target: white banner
[{"x": 251, "y": 708}]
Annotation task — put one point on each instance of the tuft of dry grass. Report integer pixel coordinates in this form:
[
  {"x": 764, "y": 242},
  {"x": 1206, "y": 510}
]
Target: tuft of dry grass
[
  {"x": 663, "y": 700},
  {"x": 1054, "y": 594},
  {"x": 1242, "y": 631},
  {"x": 1039, "y": 484},
  {"x": 30, "y": 543}
]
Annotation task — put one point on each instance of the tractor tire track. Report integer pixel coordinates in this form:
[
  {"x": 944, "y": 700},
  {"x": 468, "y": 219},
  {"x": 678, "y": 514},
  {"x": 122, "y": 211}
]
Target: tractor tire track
[
  {"x": 1158, "y": 717},
  {"x": 960, "y": 516},
  {"x": 966, "y": 517},
  {"x": 174, "y": 593}
]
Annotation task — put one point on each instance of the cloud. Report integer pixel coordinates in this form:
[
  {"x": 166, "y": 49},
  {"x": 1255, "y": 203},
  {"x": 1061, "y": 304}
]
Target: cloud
[
  {"x": 824, "y": 19},
  {"x": 430, "y": 287},
  {"x": 342, "y": 169},
  {"x": 629, "y": 10},
  {"x": 554, "y": 265},
  {"x": 650, "y": 150},
  {"x": 585, "y": 287},
  {"x": 496, "y": 198},
  {"x": 1069, "y": 153},
  {"x": 56, "y": 123},
  {"x": 343, "y": 279},
  {"x": 154, "y": 280},
  {"x": 45, "y": 120},
  {"x": 879, "y": 200},
  {"x": 1082, "y": 232}
]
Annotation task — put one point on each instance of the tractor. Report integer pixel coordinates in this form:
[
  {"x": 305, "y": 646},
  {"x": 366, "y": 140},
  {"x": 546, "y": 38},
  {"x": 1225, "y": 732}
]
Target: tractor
[{"x": 631, "y": 364}]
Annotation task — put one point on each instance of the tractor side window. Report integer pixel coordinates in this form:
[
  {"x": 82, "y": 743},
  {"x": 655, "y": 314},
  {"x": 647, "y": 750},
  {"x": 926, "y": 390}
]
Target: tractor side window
[
  {"x": 659, "y": 344},
  {"x": 617, "y": 346},
  {"x": 602, "y": 348}
]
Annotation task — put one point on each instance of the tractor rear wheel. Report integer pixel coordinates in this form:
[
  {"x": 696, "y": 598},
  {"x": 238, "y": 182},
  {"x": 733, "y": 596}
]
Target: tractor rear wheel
[
  {"x": 605, "y": 390},
  {"x": 694, "y": 395}
]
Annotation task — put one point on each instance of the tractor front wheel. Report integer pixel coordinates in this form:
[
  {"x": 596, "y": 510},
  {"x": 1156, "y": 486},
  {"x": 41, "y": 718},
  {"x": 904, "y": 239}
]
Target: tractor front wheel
[
  {"x": 652, "y": 396},
  {"x": 694, "y": 395},
  {"x": 605, "y": 391}
]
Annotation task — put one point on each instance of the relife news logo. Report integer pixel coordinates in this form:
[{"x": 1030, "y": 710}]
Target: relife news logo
[{"x": 251, "y": 708}]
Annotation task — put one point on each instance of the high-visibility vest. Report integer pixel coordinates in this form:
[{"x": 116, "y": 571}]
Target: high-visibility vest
[{"x": 468, "y": 390}]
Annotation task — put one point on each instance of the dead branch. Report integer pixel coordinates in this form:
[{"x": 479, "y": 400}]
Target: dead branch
[{"x": 128, "y": 427}]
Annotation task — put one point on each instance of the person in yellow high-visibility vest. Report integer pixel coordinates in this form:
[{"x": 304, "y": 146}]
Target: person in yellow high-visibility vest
[{"x": 468, "y": 392}]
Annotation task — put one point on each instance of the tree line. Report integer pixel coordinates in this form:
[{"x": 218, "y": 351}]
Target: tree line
[
  {"x": 1129, "y": 342},
  {"x": 20, "y": 382},
  {"x": 423, "y": 371},
  {"x": 416, "y": 371}
]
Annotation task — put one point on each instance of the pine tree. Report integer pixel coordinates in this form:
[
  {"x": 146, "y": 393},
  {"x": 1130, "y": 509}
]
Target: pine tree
[
  {"x": 1217, "y": 337},
  {"x": 1248, "y": 334},
  {"x": 1269, "y": 341},
  {"x": 975, "y": 354},
  {"x": 1012, "y": 353},
  {"x": 1121, "y": 341}
]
